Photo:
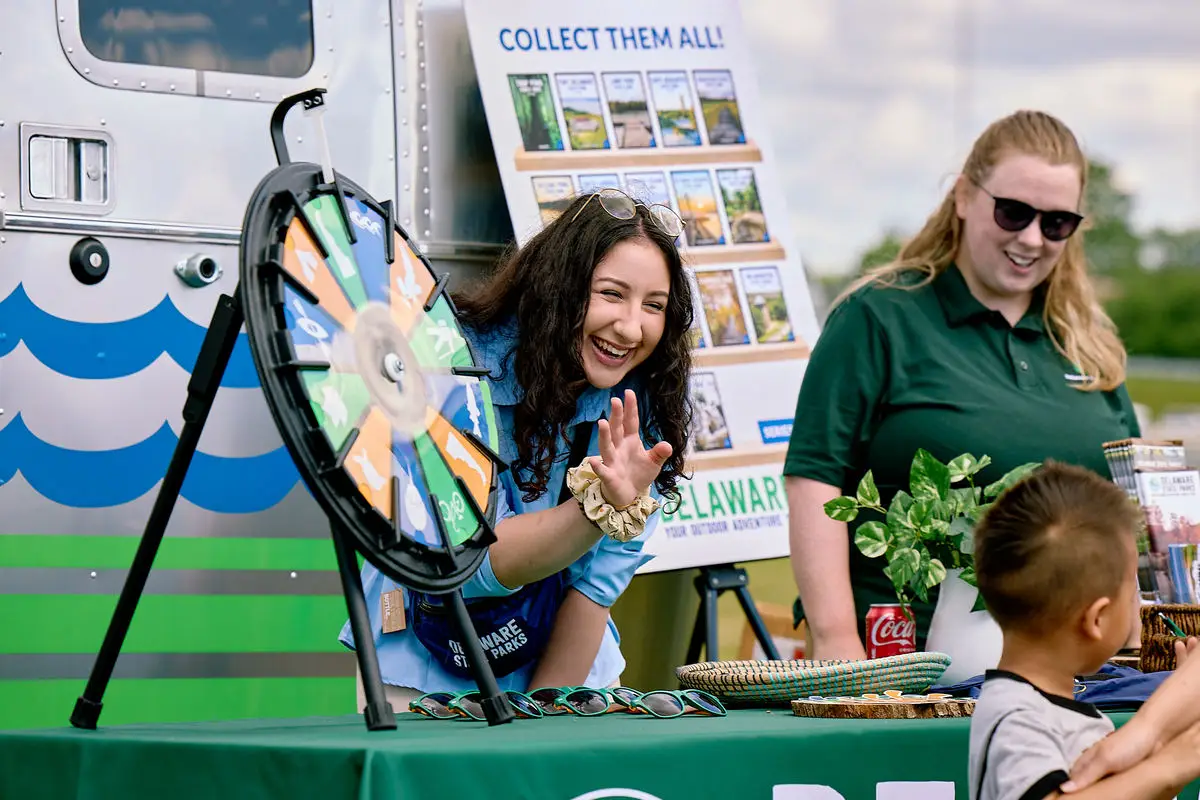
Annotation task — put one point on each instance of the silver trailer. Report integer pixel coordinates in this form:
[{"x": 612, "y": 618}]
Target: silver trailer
[{"x": 131, "y": 137}]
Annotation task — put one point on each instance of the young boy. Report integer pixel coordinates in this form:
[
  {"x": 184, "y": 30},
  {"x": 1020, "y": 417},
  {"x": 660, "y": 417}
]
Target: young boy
[{"x": 1057, "y": 566}]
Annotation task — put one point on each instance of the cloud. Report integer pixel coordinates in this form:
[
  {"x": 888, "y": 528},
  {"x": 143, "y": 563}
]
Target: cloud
[
  {"x": 872, "y": 105},
  {"x": 131, "y": 20}
]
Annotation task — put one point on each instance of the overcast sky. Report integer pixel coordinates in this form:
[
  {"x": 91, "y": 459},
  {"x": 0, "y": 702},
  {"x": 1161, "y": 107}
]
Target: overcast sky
[{"x": 874, "y": 104}]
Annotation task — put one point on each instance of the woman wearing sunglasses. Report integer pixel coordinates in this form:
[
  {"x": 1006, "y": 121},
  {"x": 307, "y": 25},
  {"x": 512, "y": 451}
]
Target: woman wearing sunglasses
[
  {"x": 585, "y": 331},
  {"x": 983, "y": 337}
]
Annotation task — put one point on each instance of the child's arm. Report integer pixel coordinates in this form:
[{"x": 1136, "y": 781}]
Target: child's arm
[
  {"x": 1174, "y": 707},
  {"x": 1160, "y": 777}
]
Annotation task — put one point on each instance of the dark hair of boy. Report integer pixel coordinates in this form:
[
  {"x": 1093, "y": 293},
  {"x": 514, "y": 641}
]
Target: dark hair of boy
[{"x": 1053, "y": 544}]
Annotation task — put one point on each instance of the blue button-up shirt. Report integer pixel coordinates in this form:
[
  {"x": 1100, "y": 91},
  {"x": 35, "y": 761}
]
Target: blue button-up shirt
[{"x": 601, "y": 574}]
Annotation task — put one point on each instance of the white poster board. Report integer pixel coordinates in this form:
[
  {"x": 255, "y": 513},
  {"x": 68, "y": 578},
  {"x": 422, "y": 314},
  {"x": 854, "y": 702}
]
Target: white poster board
[{"x": 660, "y": 98}]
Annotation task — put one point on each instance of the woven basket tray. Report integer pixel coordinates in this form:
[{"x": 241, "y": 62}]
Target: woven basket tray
[
  {"x": 1158, "y": 643},
  {"x": 777, "y": 683}
]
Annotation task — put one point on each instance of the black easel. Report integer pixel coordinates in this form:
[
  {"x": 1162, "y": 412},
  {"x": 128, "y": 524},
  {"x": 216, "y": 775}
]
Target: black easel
[
  {"x": 215, "y": 352},
  {"x": 710, "y": 583}
]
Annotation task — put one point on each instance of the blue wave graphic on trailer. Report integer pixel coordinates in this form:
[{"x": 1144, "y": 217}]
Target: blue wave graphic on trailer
[
  {"x": 103, "y": 350},
  {"x": 99, "y": 478}
]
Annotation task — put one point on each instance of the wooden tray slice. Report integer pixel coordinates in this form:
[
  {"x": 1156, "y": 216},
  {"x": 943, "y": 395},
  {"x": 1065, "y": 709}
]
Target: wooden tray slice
[{"x": 889, "y": 705}]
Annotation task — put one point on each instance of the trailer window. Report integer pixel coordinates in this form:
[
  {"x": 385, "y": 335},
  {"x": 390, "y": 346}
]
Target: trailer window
[{"x": 251, "y": 37}]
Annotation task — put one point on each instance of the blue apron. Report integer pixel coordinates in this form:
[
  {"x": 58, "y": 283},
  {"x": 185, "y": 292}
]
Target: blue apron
[{"x": 514, "y": 629}]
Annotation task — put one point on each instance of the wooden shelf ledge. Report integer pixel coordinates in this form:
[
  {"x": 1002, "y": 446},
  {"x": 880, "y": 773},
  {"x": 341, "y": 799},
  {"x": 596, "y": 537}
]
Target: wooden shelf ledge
[
  {"x": 636, "y": 157},
  {"x": 736, "y": 457},
  {"x": 733, "y": 253},
  {"x": 750, "y": 354}
]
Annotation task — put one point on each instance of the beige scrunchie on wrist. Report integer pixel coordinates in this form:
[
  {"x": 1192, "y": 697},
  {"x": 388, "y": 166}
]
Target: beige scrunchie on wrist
[{"x": 621, "y": 524}]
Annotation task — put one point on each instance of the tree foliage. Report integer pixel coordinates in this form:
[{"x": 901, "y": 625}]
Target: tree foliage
[{"x": 1150, "y": 282}]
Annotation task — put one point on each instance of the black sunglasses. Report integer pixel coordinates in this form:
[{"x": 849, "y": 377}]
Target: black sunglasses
[{"x": 1014, "y": 215}]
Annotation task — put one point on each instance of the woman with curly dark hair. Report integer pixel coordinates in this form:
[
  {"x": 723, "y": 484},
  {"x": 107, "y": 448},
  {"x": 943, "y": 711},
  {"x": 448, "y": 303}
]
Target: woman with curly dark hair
[{"x": 585, "y": 331}]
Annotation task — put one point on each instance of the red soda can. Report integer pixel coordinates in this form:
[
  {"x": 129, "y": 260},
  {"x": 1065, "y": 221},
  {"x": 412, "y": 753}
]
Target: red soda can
[{"x": 889, "y": 632}]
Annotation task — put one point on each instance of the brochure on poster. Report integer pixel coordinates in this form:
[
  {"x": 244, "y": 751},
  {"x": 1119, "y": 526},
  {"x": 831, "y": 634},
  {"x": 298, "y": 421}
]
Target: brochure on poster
[{"x": 661, "y": 100}]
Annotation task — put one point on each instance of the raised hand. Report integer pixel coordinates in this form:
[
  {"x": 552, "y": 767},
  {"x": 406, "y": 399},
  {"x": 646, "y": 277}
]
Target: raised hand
[{"x": 625, "y": 467}]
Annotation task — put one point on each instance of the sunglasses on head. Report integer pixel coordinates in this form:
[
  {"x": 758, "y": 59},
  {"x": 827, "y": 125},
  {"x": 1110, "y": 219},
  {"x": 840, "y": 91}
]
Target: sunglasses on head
[
  {"x": 1014, "y": 215},
  {"x": 621, "y": 206}
]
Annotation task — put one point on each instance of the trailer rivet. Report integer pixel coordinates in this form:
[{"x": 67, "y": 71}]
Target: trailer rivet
[{"x": 93, "y": 575}]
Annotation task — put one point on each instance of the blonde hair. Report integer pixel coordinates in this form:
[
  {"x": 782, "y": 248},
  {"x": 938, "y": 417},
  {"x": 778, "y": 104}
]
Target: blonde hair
[{"x": 1078, "y": 326}]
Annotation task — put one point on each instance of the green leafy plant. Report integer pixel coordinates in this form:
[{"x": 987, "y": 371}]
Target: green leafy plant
[{"x": 928, "y": 529}]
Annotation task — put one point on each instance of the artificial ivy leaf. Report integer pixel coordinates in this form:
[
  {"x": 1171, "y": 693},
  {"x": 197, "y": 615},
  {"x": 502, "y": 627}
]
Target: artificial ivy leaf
[
  {"x": 929, "y": 478},
  {"x": 979, "y": 605},
  {"x": 961, "y": 526},
  {"x": 935, "y": 573},
  {"x": 903, "y": 537},
  {"x": 868, "y": 495},
  {"x": 905, "y": 563},
  {"x": 940, "y": 527},
  {"x": 920, "y": 514},
  {"x": 966, "y": 466},
  {"x": 897, "y": 514},
  {"x": 872, "y": 539},
  {"x": 1011, "y": 477},
  {"x": 967, "y": 576},
  {"x": 961, "y": 467},
  {"x": 899, "y": 587},
  {"x": 966, "y": 545},
  {"x": 921, "y": 591},
  {"x": 842, "y": 509},
  {"x": 963, "y": 499}
]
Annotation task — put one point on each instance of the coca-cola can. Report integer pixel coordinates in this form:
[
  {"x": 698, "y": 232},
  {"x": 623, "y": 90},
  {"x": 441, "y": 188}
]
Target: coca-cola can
[{"x": 889, "y": 631}]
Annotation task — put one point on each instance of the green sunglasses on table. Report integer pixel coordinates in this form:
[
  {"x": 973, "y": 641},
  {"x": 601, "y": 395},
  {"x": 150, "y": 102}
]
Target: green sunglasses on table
[
  {"x": 588, "y": 702},
  {"x": 448, "y": 705}
]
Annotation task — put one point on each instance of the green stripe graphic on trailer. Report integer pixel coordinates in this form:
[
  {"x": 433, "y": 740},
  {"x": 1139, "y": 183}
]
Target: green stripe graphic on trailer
[{"x": 116, "y": 552}]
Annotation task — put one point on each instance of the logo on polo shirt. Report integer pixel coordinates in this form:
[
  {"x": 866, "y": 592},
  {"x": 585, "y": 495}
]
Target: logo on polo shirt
[{"x": 1078, "y": 376}]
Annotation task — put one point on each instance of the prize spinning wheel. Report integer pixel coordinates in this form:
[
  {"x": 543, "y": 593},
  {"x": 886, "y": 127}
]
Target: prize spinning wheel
[
  {"x": 374, "y": 388},
  {"x": 375, "y": 391}
]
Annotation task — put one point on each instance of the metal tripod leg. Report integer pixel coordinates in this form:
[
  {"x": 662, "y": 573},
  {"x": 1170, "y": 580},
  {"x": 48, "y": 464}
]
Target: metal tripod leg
[
  {"x": 710, "y": 583},
  {"x": 495, "y": 704},
  {"x": 379, "y": 713},
  {"x": 202, "y": 387}
]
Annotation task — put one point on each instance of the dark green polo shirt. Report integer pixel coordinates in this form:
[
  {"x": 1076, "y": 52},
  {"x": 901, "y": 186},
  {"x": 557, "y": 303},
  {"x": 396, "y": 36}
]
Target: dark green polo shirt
[{"x": 899, "y": 369}]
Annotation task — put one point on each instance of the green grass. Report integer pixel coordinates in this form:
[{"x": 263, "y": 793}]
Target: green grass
[{"x": 1160, "y": 394}]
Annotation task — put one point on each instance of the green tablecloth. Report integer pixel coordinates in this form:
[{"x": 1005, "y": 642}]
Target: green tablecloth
[{"x": 744, "y": 755}]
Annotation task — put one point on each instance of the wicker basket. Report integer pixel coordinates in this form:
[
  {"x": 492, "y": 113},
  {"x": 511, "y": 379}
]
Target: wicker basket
[
  {"x": 1158, "y": 643},
  {"x": 777, "y": 683}
]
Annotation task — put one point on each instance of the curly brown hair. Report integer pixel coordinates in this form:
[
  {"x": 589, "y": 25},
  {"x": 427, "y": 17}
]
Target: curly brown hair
[{"x": 545, "y": 287}]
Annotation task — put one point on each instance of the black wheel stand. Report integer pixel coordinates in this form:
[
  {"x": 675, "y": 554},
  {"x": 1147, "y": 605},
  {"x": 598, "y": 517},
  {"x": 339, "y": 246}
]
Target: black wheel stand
[
  {"x": 710, "y": 584},
  {"x": 448, "y": 570}
]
